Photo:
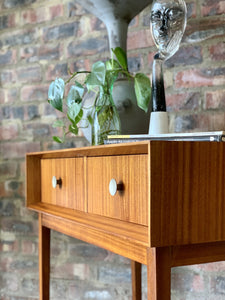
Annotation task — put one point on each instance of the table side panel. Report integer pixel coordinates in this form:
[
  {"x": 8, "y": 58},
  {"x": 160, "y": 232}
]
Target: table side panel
[
  {"x": 187, "y": 192},
  {"x": 33, "y": 180}
]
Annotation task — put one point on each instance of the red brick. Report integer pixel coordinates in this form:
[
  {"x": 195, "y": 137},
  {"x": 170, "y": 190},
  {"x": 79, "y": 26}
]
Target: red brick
[
  {"x": 134, "y": 22},
  {"x": 212, "y": 7},
  {"x": 29, "y": 53},
  {"x": 7, "y": 77},
  {"x": 61, "y": 31},
  {"x": 191, "y": 55},
  {"x": 29, "y": 74},
  {"x": 2, "y": 190},
  {"x": 213, "y": 267},
  {"x": 14, "y": 188},
  {"x": 198, "y": 283},
  {"x": 34, "y": 16},
  {"x": 37, "y": 130},
  {"x": 8, "y": 57},
  {"x": 93, "y": 24},
  {"x": 191, "y": 9},
  {"x": 200, "y": 30},
  {"x": 8, "y": 169},
  {"x": 181, "y": 280},
  {"x": 215, "y": 99},
  {"x": 8, "y": 131},
  {"x": 34, "y": 93},
  {"x": 43, "y": 52},
  {"x": 57, "y": 70},
  {"x": 80, "y": 65},
  {"x": 12, "y": 95},
  {"x": 2, "y": 96},
  {"x": 135, "y": 62},
  {"x": 193, "y": 122},
  {"x": 200, "y": 77},
  {"x": 9, "y": 246},
  {"x": 22, "y": 168},
  {"x": 31, "y": 112},
  {"x": 18, "y": 149},
  {"x": 89, "y": 24},
  {"x": 218, "y": 285},
  {"x": 74, "y": 9},
  {"x": 218, "y": 121},
  {"x": 151, "y": 58},
  {"x": 29, "y": 247},
  {"x": 87, "y": 47},
  {"x": 185, "y": 101},
  {"x": 217, "y": 52},
  {"x": 17, "y": 225},
  {"x": 20, "y": 37},
  {"x": 139, "y": 39},
  {"x": 48, "y": 110},
  {"x": 5, "y": 263},
  {"x": 7, "y": 21},
  {"x": 50, "y": 52},
  {"x": 56, "y": 11}
]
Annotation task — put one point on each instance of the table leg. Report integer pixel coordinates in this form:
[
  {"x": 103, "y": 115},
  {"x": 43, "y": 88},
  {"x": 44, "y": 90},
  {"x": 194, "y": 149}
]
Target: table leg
[
  {"x": 44, "y": 260},
  {"x": 136, "y": 280},
  {"x": 159, "y": 273}
]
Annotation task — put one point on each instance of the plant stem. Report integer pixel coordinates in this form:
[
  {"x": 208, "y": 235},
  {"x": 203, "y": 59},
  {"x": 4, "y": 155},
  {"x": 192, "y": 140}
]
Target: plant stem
[{"x": 76, "y": 73}]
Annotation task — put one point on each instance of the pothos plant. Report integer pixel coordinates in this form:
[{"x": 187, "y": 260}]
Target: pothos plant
[{"x": 100, "y": 80}]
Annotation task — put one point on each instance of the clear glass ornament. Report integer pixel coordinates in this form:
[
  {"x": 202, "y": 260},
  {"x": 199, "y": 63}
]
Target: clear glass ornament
[{"x": 168, "y": 22}]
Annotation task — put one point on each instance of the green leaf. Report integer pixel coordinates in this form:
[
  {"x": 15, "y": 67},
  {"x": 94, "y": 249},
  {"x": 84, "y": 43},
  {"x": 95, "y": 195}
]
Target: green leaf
[
  {"x": 121, "y": 57},
  {"x": 90, "y": 119},
  {"x": 98, "y": 69},
  {"x": 73, "y": 112},
  {"x": 111, "y": 77},
  {"x": 75, "y": 94},
  {"x": 142, "y": 88},
  {"x": 79, "y": 116},
  {"x": 91, "y": 81},
  {"x": 73, "y": 129},
  {"x": 97, "y": 75},
  {"x": 58, "y": 139},
  {"x": 58, "y": 123},
  {"x": 55, "y": 94},
  {"x": 112, "y": 64}
]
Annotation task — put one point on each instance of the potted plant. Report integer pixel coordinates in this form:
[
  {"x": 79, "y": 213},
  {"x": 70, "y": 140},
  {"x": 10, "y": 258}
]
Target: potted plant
[{"x": 102, "y": 115}]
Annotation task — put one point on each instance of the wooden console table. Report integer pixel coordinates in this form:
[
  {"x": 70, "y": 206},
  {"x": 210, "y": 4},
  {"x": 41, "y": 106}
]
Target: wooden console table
[{"x": 165, "y": 206}]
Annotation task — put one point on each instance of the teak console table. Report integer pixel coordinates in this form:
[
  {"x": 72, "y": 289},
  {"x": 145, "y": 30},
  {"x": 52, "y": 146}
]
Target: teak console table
[{"x": 158, "y": 203}]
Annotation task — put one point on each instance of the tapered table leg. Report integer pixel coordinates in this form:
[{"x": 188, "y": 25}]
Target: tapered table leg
[
  {"x": 159, "y": 273},
  {"x": 136, "y": 280},
  {"x": 44, "y": 260}
]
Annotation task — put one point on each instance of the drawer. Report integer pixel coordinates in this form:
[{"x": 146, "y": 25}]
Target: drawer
[
  {"x": 70, "y": 192},
  {"x": 131, "y": 174}
]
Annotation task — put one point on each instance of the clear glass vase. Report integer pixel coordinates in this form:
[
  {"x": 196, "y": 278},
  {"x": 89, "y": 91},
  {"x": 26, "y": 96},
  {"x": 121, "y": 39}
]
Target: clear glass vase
[{"x": 106, "y": 120}]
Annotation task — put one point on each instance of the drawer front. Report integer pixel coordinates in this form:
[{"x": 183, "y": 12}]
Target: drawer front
[
  {"x": 131, "y": 173},
  {"x": 70, "y": 192}
]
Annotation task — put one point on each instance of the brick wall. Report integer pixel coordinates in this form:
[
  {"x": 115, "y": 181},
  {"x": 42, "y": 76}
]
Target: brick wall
[{"x": 40, "y": 40}]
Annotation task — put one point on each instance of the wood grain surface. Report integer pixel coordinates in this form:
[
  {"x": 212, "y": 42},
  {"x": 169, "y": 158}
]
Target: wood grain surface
[
  {"x": 70, "y": 193},
  {"x": 187, "y": 192},
  {"x": 131, "y": 172}
]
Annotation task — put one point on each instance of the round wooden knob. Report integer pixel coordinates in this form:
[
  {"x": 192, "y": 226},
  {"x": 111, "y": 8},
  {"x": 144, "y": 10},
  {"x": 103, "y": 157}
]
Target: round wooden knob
[
  {"x": 56, "y": 182},
  {"x": 112, "y": 187}
]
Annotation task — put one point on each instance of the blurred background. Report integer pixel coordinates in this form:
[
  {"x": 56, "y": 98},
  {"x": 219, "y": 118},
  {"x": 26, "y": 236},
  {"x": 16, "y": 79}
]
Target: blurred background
[{"x": 39, "y": 41}]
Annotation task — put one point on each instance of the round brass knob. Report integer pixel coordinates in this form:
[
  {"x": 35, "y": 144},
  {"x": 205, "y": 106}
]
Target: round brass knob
[{"x": 56, "y": 182}]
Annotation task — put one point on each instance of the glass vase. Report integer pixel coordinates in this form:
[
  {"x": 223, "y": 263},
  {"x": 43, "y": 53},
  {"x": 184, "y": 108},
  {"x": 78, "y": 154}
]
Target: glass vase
[{"x": 106, "y": 120}]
